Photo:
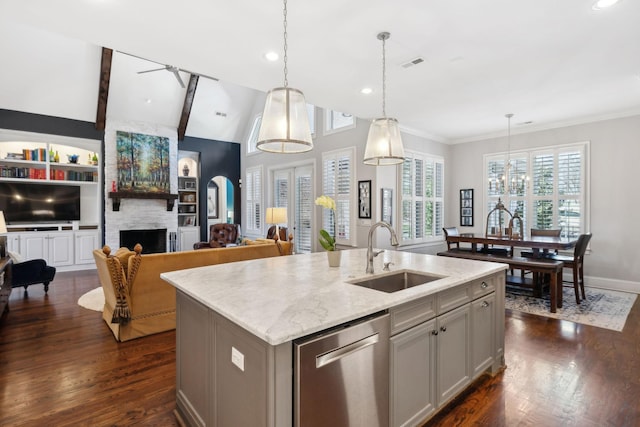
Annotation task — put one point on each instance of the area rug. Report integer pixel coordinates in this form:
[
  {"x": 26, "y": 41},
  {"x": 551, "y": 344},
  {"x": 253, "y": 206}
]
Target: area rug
[
  {"x": 602, "y": 308},
  {"x": 93, "y": 300}
]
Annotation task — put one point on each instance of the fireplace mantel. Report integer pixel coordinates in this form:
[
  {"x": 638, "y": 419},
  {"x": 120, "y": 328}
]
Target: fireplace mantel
[{"x": 118, "y": 195}]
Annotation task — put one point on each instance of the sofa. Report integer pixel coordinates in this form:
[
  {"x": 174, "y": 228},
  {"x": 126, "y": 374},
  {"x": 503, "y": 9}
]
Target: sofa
[
  {"x": 138, "y": 302},
  {"x": 220, "y": 235}
]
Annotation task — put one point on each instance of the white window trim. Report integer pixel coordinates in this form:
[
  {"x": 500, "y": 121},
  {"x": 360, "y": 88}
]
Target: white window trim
[
  {"x": 326, "y": 120},
  {"x": 253, "y": 133},
  {"x": 529, "y": 198},
  {"x": 254, "y": 231},
  {"x": 438, "y": 233},
  {"x": 353, "y": 196}
]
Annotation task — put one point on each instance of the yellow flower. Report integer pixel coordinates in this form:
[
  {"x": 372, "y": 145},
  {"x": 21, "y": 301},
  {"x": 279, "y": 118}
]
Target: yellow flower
[
  {"x": 326, "y": 202},
  {"x": 327, "y": 240}
]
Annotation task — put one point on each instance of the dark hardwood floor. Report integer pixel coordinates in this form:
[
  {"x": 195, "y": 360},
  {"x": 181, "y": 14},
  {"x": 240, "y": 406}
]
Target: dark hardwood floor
[{"x": 59, "y": 366}]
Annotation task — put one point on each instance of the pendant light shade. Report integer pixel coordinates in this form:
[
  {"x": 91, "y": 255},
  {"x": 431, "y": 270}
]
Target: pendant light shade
[
  {"x": 384, "y": 143},
  {"x": 285, "y": 123}
]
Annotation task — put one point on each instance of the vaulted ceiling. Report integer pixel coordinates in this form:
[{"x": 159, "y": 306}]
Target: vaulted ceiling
[{"x": 550, "y": 63}]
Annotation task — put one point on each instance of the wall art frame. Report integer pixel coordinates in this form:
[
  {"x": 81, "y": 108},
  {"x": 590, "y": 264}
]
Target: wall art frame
[
  {"x": 364, "y": 199},
  {"x": 386, "y": 196},
  {"x": 466, "y": 207}
]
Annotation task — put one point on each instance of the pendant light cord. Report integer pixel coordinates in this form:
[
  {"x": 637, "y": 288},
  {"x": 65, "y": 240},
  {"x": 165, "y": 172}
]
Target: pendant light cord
[
  {"x": 384, "y": 78},
  {"x": 284, "y": 12}
]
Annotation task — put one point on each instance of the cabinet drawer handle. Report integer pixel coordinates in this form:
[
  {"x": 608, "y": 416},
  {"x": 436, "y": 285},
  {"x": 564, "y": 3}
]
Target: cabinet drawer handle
[
  {"x": 485, "y": 304},
  {"x": 434, "y": 332},
  {"x": 484, "y": 285},
  {"x": 443, "y": 328}
]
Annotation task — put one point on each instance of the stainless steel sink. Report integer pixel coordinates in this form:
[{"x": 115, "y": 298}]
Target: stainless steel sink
[{"x": 396, "y": 281}]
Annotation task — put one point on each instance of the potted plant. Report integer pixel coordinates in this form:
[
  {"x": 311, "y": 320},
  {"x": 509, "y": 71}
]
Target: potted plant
[{"x": 327, "y": 240}]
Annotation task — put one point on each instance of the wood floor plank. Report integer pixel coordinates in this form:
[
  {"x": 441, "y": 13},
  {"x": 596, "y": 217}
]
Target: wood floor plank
[{"x": 60, "y": 366}]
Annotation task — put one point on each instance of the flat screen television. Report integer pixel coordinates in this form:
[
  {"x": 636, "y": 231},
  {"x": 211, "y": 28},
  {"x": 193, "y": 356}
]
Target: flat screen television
[{"x": 30, "y": 202}]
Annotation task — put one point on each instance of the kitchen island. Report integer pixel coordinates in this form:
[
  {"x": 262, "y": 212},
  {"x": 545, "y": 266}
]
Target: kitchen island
[{"x": 237, "y": 322}]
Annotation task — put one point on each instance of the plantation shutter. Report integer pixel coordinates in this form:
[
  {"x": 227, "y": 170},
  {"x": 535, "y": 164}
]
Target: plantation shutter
[
  {"x": 338, "y": 182},
  {"x": 254, "y": 196}
]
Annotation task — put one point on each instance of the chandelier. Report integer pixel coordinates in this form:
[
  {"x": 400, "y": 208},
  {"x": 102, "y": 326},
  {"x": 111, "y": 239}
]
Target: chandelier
[{"x": 511, "y": 181}]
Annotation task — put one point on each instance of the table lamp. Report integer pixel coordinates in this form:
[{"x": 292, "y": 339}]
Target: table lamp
[
  {"x": 276, "y": 216},
  {"x": 3, "y": 236}
]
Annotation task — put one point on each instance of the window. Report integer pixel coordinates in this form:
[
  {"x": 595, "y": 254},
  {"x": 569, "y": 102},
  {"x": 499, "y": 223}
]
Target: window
[
  {"x": 422, "y": 198},
  {"x": 554, "y": 195},
  {"x": 338, "y": 182},
  {"x": 336, "y": 121},
  {"x": 311, "y": 112},
  {"x": 253, "y": 191},
  {"x": 253, "y": 136}
]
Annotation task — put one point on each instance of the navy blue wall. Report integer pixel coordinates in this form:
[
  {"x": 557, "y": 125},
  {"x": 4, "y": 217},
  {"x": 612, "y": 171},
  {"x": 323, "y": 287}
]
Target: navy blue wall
[{"x": 216, "y": 158}]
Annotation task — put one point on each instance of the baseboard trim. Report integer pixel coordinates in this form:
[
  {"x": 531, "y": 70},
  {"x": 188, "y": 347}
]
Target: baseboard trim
[{"x": 610, "y": 284}]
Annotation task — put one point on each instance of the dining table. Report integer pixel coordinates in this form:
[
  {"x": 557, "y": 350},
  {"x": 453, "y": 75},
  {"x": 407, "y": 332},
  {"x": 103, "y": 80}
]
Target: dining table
[{"x": 538, "y": 244}]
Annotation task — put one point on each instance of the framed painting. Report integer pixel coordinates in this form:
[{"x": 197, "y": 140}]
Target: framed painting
[
  {"x": 142, "y": 163},
  {"x": 364, "y": 199},
  {"x": 466, "y": 207},
  {"x": 212, "y": 200},
  {"x": 386, "y": 196}
]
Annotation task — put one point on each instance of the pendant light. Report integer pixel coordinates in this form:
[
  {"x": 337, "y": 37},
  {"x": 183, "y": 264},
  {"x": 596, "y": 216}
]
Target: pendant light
[
  {"x": 285, "y": 123},
  {"x": 511, "y": 182},
  {"x": 384, "y": 143}
]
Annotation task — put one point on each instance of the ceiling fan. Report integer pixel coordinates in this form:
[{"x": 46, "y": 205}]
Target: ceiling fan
[{"x": 171, "y": 68}]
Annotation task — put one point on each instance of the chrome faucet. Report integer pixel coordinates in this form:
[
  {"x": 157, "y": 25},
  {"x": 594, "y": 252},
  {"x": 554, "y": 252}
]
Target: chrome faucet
[{"x": 370, "y": 252}]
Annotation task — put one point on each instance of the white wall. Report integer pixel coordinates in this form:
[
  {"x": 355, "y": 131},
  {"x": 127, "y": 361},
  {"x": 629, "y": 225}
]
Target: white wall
[
  {"x": 614, "y": 197},
  {"x": 385, "y": 176}
]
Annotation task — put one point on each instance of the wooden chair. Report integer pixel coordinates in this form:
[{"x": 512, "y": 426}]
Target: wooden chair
[
  {"x": 576, "y": 264},
  {"x": 282, "y": 231},
  {"x": 451, "y": 231},
  {"x": 539, "y": 232},
  {"x": 530, "y": 254}
]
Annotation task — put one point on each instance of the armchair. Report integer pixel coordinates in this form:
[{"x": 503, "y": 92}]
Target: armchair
[
  {"x": 220, "y": 235},
  {"x": 32, "y": 272},
  {"x": 282, "y": 233}
]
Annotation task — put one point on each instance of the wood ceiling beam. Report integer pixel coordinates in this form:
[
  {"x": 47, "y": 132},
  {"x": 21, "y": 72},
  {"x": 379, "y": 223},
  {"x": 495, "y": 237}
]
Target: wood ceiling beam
[
  {"x": 103, "y": 88},
  {"x": 186, "y": 108}
]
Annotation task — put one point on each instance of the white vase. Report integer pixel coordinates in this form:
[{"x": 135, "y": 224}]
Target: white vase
[{"x": 334, "y": 258}]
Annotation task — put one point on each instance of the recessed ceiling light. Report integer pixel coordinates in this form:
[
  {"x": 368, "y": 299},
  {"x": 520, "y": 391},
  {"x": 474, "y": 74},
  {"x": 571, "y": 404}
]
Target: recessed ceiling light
[
  {"x": 148, "y": 100},
  {"x": 603, "y": 4},
  {"x": 271, "y": 56},
  {"x": 366, "y": 90}
]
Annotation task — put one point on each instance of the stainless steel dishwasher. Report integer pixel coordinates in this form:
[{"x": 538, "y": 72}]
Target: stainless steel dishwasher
[{"x": 342, "y": 375}]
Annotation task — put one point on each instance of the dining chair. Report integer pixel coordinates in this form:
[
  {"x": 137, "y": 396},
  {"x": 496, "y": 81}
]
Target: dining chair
[
  {"x": 535, "y": 232},
  {"x": 576, "y": 264},
  {"x": 453, "y": 231}
]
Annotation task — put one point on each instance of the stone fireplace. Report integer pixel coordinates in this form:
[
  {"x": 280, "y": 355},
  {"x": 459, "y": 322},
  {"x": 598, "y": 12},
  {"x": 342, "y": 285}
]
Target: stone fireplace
[{"x": 138, "y": 214}]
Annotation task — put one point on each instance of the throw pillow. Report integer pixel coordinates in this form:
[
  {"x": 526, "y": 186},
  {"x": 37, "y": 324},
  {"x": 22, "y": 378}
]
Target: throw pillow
[
  {"x": 123, "y": 255},
  {"x": 15, "y": 257}
]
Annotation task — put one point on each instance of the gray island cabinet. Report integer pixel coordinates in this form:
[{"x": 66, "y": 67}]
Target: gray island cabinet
[{"x": 237, "y": 324}]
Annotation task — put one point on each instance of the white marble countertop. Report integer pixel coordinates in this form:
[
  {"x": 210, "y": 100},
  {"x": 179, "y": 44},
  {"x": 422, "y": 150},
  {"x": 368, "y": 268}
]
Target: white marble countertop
[{"x": 283, "y": 298}]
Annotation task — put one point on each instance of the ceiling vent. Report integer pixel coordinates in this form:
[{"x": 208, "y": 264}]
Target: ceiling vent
[
  {"x": 415, "y": 61},
  {"x": 218, "y": 113}
]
